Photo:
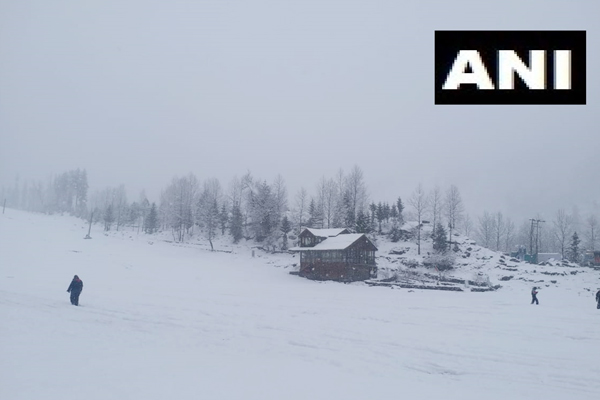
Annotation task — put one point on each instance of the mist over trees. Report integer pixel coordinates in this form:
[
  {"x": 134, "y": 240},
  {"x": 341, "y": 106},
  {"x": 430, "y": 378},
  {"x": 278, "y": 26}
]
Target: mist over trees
[
  {"x": 63, "y": 193},
  {"x": 260, "y": 210}
]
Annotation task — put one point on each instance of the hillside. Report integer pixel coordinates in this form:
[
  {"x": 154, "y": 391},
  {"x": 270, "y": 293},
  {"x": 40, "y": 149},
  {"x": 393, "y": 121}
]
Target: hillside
[
  {"x": 483, "y": 269},
  {"x": 163, "y": 320}
]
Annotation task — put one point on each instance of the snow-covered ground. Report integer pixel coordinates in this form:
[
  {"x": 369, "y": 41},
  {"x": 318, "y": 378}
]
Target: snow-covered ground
[{"x": 166, "y": 321}]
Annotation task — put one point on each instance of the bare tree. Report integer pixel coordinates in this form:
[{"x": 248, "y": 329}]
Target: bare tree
[
  {"x": 486, "y": 229},
  {"x": 235, "y": 191},
  {"x": 454, "y": 209},
  {"x": 467, "y": 225},
  {"x": 329, "y": 194},
  {"x": 301, "y": 208},
  {"x": 591, "y": 232},
  {"x": 499, "y": 230},
  {"x": 120, "y": 203},
  {"x": 281, "y": 199},
  {"x": 356, "y": 191},
  {"x": 509, "y": 234},
  {"x": 177, "y": 203},
  {"x": 562, "y": 229},
  {"x": 436, "y": 203},
  {"x": 419, "y": 202},
  {"x": 522, "y": 236}
]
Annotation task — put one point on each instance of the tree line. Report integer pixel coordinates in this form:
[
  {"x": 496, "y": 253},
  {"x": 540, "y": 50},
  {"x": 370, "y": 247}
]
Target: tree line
[{"x": 255, "y": 209}]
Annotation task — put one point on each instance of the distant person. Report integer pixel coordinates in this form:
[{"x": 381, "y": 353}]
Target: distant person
[
  {"x": 598, "y": 299},
  {"x": 75, "y": 289},
  {"x": 534, "y": 298}
]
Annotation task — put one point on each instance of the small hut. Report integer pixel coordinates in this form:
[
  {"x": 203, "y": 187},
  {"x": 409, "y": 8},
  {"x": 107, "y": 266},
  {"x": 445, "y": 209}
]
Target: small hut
[{"x": 345, "y": 257}]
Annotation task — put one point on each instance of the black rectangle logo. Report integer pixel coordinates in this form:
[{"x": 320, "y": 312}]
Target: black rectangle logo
[{"x": 510, "y": 67}]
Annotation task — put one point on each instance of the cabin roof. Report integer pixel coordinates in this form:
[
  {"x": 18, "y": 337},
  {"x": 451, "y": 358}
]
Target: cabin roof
[
  {"x": 341, "y": 242},
  {"x": 325, "y": 232}
]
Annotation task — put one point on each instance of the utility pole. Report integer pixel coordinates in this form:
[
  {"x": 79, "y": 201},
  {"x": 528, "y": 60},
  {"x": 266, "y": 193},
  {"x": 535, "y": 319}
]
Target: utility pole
[
  {"x": 3, "y": 206},
  {"x": 531, "y": 237}
]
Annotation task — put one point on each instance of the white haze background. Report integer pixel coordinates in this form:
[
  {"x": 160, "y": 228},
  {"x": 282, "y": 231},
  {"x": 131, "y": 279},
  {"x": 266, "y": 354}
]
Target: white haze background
[{"x": 139, "y": 91}]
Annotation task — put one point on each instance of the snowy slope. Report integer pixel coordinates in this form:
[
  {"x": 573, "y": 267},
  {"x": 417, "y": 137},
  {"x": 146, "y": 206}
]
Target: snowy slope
[
  {"x": 161, "y": 321},
  {"x": 476, "y": 263}
]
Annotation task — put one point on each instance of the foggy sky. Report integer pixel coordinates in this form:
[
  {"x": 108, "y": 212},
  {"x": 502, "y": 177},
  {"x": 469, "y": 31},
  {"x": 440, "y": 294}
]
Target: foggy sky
[{"x": 137, "y": 92}]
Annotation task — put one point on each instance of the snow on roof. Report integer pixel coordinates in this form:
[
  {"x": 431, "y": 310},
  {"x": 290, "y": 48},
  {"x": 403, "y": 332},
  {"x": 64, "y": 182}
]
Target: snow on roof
[
  {"x": 325, "y": 232},
  {"x": 340, "y": 242}
]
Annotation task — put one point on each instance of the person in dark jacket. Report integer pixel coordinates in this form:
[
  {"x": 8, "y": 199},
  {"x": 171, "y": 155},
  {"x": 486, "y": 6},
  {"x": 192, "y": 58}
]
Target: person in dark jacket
[
  {"x": 534, "y": 298},
  {"x": 598, "y": 299},
  {"x": 75, "y": 289}
]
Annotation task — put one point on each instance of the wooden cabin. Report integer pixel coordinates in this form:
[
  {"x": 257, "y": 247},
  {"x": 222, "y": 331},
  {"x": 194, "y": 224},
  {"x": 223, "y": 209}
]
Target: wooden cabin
[{"x": 346, "y": 257}]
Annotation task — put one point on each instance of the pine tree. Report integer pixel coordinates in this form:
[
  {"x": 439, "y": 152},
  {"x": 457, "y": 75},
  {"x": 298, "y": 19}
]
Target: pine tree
[
  {"x": 285, "y": 228},
  {"x": 574, "y": 250},
  {"x": 439, "y": 239},
  {"x": 400, "y": 209},
  {"x": 315, "y": 213},
  {"x": 266, "y": 227},
  {"x": 151, "y": 221},
  {"x": 262, "y": 211},
  {"x": 380, "y": 214},
  {"x": 311, "y": 214},
  {"x": 236, "y": 224},
  {"x": 362, "y": 222},
  {"x": 349, "y": 214},
  {"x": 394, "y": 212},
  {"x": 373, "y": 209},
  {"x": 395, "y": 232},
  {"x": 223, "y": 218},
  {"x": 386, "y": 212}
]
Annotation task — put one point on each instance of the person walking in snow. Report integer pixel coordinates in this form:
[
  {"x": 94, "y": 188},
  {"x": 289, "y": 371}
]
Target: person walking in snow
[
  {"x": 75, "y": 289},
  {"x": 534, "y": 298},
  {"x": 598, "y": 299}
]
